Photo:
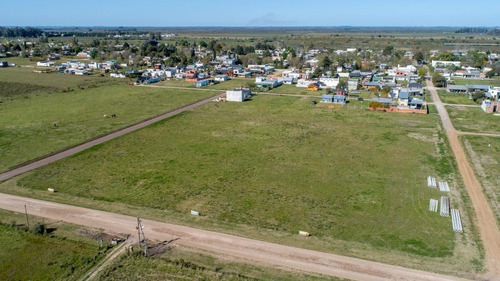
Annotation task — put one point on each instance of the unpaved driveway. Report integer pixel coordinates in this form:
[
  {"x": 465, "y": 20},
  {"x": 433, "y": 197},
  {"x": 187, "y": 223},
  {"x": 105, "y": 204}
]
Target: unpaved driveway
[
  {"x": 488, "y": 228},
  {"x": 227, "y": 245}
]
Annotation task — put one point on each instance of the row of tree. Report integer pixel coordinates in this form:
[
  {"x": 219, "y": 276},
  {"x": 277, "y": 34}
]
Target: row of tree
[{"x": 29, "y": 32}]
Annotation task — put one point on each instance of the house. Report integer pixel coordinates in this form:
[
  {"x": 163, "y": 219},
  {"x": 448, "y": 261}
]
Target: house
[
  {"x": 457, "y": 89},
  {"x": 303, "y": 83},
  {"x": 221, "y": 78},
  {"x": 490, "y": 106},
  {"x": 83, "y": 55},
  {"x": 477, "y": 88},
  {"x": 117, "y": 75},
  {"x": 415, "y": 103},
  {"x": 445, "y": 63},
  {"x": 80, "y": 72},
  {"x": 313, "y": 87},
  {"x": 45, "y": 63},
  {"x": 414, "y": 85},
  {"x": 493, "y": 93},
  {"x": 4, "y": 64},
  {"x": 371, "y": 85},
  {"x": 338, "y": 99},
  {"x": 403, "y": 99},
  {"x": 191, "y": 75},
  {"x": 264, "y": 82},
  {"x": 204, "y": 82},
  {"x": 238, "y": 95},
  {"x": 330, "y": 82},
  {"x": 352, "y": 84},
  {"x": 288, "y": 80}
]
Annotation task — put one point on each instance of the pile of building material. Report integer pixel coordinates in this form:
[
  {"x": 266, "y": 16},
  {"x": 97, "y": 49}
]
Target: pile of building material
[
  {"x": 455, "y": 220},
  {"x": 431, "y": 182},
  {"x": 443, "y": 186},
  {"x": 433, "y": 205},
  {"x": 445, "y": 206}
]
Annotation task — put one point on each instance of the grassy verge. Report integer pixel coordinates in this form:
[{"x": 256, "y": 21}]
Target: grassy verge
[
  {"x": 40, "y": 124},
  {"x": 275, "y": 165},
  {"x": 484, "y": 155},
  {"x": 60, "y": 255},
  {"x": 491, "y": 82},
  {"x": 455, "y": 98},
  {"x": 474, "y": 119}
]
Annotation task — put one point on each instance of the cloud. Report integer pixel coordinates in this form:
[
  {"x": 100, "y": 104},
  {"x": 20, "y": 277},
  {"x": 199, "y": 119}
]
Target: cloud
[{"x": 268, "y": 20}]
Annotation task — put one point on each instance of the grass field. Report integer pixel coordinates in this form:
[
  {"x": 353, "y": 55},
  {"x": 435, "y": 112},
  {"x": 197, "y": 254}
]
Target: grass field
[
  {"x": 293, "y": 89},
  {"x": 473, "y": 119},
  {"x": 180, "y": 264},
  {"x": 491, "y": 82},
  {"x": 43, "y": 123},
  {"x": 60, "y": 255},
  {"x": 454, "y": 98},
  {"x": 484, "y": 159},
  {"x": 341, "y": 173}
]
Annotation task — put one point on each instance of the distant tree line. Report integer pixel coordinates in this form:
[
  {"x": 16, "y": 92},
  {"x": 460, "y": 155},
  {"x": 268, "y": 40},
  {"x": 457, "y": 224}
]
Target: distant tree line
[
  {"x": 472, "y": 30},
  {"x": 20, "y": 32}
]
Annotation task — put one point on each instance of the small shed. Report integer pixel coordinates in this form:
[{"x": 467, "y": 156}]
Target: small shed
[{"x": 238, "y": 95}]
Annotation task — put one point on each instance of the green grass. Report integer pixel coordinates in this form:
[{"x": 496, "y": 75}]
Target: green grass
[
  {"x": 26, "y": 75},
  {"x": 57, "y": 256},
  {"x": 484, "y": 159},
  {"x": 276, "y": 163},
  {"x": 491, "y": 82},
  {"x": 231, "y": 84},
  {"x": 176, "y": 83},
  {"x": 293, "y": 89},
  {"x": 180, "y": 264},
  {"x": 27, "y": 127},
  {"x": 10, "y": 90},
  {"x": 473, "y": 120},
  {"x": 455, "y": 98}
]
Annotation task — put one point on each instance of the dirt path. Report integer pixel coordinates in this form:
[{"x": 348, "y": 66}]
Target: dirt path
[
  {"x": 68, "y": 152},
  {"x": 227, "y": 245},
  {"x": 488, "y": 228},
  {"x": 478, "y": 134},
  {"x": 95, "y": 271}
]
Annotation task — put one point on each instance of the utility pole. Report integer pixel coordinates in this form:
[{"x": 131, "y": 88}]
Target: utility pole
[
  {"x": 26, "y": 214},
  {"x": 140, "y": 229}
]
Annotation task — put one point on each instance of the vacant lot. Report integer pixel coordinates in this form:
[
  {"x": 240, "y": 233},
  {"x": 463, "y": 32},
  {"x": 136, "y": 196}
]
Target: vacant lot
[
  {"x": 226, "y": 85},
  {"x": 491, "y": 82},
  {"x": 56, "y": 256},
  {"x": 473, "y": 119},
  {"x": 455, "y": 98},
  {"x": 277, "y": 163},
  {"x": 293, "y": 89},
  {"x": 40, "y": 124},
  {"x": 179, "y": 264},
  {"x": 484, "y": 154}
]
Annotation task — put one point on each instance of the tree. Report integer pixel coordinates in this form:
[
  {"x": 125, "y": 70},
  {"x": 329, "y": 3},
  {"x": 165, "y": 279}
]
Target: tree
[
  {"x": 203, "y": 44},
  {"x": 94, "y": 53},
  {"x": 438, "y": 80},
  {"x": 422, "y": 72},
  {"x": 326, "y": 62},
  {"x": 478, "y": 96},
  {"x": 388, "y": 50},
  {"x": 419, "y": 56}
]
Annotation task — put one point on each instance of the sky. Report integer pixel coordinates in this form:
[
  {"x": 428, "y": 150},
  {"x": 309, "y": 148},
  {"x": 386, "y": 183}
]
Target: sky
[{"x": 250, "y": 13}]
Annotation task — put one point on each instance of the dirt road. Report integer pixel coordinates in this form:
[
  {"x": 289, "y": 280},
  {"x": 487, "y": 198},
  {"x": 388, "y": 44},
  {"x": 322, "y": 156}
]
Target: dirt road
[
  {"x": 68, "y": 152},
  {"x": 228, "y": 245},
  {"x": 488, "y": 228}
]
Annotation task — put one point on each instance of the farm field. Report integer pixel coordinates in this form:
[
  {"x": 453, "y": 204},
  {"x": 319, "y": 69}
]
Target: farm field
[
  {"x": 473, "y": 119},
  {"x": 455, "y": 98},
  {"x": 279, "y": 165},
  {"x": 491, "y": 82},
  {"x": 484, "y": 160},
  {"x": 60, "y": 255},
  {"x": 39, "y": 124},
  {"x": 183, "y": 264}
]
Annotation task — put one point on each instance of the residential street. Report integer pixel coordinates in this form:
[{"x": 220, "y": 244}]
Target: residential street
[{"x": 486, "y": 222}]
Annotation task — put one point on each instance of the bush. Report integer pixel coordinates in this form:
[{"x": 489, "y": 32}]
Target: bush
[{"x": 39, "y": 229}]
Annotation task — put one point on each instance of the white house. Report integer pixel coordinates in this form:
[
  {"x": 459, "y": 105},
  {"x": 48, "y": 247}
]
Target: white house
[
  {"x": 330, "y": 82},
  {"x": 445, "y": 63},
  {"x": 238, "y": 95},
  {"x": 352, "y": 84},
  {"x": 221, "y": 78},
  {"x": 45, "y": 63},
  {"x": 303, "y": 83}
]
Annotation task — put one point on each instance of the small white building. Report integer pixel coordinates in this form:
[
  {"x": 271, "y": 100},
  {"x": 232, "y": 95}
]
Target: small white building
[
  {"x": 45, "y": 63},
  {"x": 221, "y": 78},
  {"x": 330, "y": 82},
  {"x": 238, "y": 95}
]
